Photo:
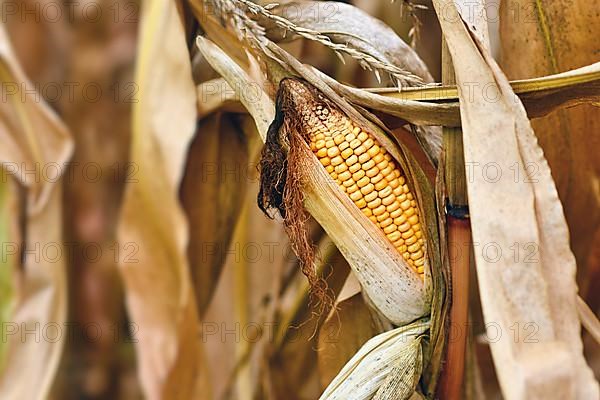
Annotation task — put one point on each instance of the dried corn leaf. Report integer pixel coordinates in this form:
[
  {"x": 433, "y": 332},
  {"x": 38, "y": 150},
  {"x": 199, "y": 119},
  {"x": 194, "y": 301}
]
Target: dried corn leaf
[
  {"x": 212, "y": 193},
  {"x": 558, "y": 36},
  {"x": 342, "y": 335},
  {"x": 160, "y": 295},
  {"x": 388, "y": 366},
  {"x": 33, "y": 138},
  {"x": 394, "y": 288},
  {"x": 539, "y": 290}
]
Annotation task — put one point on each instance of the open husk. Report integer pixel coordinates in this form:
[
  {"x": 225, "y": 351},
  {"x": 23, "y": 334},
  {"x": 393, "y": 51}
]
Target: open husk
[{"x": 387, "y": 367}]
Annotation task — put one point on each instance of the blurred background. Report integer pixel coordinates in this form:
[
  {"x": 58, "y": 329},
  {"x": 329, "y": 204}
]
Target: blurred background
[{"x": 259, "y": 340}]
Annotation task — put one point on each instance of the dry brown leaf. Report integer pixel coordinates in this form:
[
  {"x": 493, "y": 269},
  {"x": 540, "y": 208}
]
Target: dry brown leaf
[
  {"x": 33, "y": 139},
  {"x": 160, "y": 295},
  {"x": 538, "y": 291},
  {"x": 212, "y": 194},
  {"x": 557, "y": 35},
  {"x": 342, "y": 335}
]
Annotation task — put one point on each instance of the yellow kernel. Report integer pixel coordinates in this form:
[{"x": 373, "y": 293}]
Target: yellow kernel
[
  {"x": 383, "y": 164},
  {"x": 405, "y": 188},
  {"x": 407, "y": 234},
  {"x": 343, "y": 146},
  {"x": 320, "y": 136},
  {"x": 371, "y": 196},
  {"x": 368, "y": 165},
  {"x": 419, "y": 235},
  {"x": 354, "y": 167},
  {"x": 329, "y": 144},
  {"x": 390, "y": 228},
  {"x": 387, "y": 169},
  {"x": 351, "y": 160},
  {"x": 420, "y": 262},
  {"x": 403, "y": 227},
  {"x": 368, "y": 143},
  {"x": 341, "y": 168},
  {"x": 359, "y": 150},
  {"x": 339, "y": 139},
  {"x": 329, "y": 168},
  {"x": 398, "y": 191},
  {"x": 389, "y": 200},
  {"x": 385, "y": 192},
  {"x": 322, "y": 152},
  {"x": 414, "y": 219},
  {"x": 400, "y": 178},
  {"x": 414, "y": 248},
  {"x": 337, "y": 160},
  {"x": 377, "y": 178},
  {"x": 375, "y": 203},
  {"x": 381, "y": 185},
  {"x": 374, "y": 152},
  {"x": 401, "y": 219},
  {"x": 409, "y": 196},
  {"x": 396, "y": 213},
  {"x": 325, "y": 161},
  {"x": 392, "y": 181},
  {"x": 372, "y": 218},
  {"x": 344, "y": 176},
  {"x": 372, "y": 172},
  {"x": 379, "y": 211},
  {"x": 332, "y": 152},
  {"x": 350, "y": 137},
  {"x": 411, "y": 241},
  {"x": 382, "y": 216},
  {"x": 367, "y": 189},
  {"x": 333, "y": 175},
  {"x": 363, "y": 158},
  {"x": 409, "y": 212},
  {"x": 387, "y": 222},
  {"x": 362, "y": 136},
  {"x": 360, "y": 203},
  {"x": 378, "y": 157},
  {"x": 405, "y": 205},
  {"x": 356, "y": 130},
  {"x": 319, "y": 144},
  {"x": 387, "y": 156},
  {"x": 367, "y": 211},
  {"x": 363, "y": 181},
  {"x": 394, "y": 206},
  {"x": 352, "y": 189},
  {"x": 356, "y": 195},
  {"x": 355, "y": 143},
  {"x": 347, "y": 183},
  {"x": 402, "y": 248},
  {"x": 347, "y": 152},
  {"x": 398, "y": 243},
  {"x": 358, "y": 174},
  {"x": 394, "y": 236}
]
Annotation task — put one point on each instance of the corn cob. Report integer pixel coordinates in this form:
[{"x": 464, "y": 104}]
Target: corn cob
[{"x": 365, "y": 171}]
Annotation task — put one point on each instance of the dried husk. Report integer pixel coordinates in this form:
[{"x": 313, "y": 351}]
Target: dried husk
[
  {"x": 387, "y": 367},
  {"x": 396, "y": 291}
]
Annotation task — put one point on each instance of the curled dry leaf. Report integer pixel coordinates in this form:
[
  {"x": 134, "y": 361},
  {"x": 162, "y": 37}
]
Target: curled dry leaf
[
  {"x": 348, "y": 25},
  {"x": 388, "y": 366},
  {"x": 539, "y": 290},
  {"x": 160, "y": 295},
  {"x": 557, "y": 34},
  {"x": 33, "y": 137}
]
